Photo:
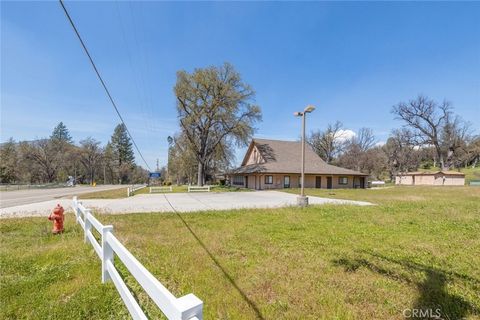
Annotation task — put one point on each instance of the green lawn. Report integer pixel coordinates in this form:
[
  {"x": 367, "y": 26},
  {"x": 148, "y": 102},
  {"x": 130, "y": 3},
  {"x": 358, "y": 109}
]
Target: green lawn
[
  {"x": 122, "y": 192},
  {"x": 418, "y": 248}
]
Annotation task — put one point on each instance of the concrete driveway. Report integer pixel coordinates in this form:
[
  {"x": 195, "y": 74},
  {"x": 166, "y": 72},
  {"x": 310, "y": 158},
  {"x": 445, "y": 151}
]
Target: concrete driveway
[{"x": 181, "y": 202}]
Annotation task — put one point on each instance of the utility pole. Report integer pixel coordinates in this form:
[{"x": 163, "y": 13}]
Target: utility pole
[
  {"x": 170, "y": 141},
  {"x": 104, "y": 176}
]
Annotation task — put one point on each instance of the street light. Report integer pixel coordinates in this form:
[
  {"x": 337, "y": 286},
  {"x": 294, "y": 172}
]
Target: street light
[
  {"x": 170, "y": 141},
  {"x": 302, "y": 200}
]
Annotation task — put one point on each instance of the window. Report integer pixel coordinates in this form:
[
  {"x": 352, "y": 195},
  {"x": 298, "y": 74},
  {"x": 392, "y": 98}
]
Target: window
[
  {"x": 238, "y": 180},
  {"x": 342, "y": 180},
  {"x": 268, "y": 179}
]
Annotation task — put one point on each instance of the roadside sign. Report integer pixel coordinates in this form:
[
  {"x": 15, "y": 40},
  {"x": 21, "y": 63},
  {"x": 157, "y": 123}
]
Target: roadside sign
[{"x": 155, "y": 175}]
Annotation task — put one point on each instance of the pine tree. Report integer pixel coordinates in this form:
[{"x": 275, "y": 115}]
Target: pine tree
[
  {"x": 60, "y": 133},
  {"x": 122, "y": 146}
]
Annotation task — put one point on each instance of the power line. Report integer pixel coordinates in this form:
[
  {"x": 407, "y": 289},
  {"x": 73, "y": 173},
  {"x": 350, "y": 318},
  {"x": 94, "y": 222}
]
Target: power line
[{"x": 102, "y": 82}]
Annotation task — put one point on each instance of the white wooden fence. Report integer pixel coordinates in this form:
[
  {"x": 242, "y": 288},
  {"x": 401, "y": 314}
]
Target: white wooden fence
[
  {"x": 198, "y": 189},
  {"x": 377, "y": 183},
  {"x": 161, "y": 189},
  {"x": 186, "y": 307},
  {"x": 131, "y": 190}
]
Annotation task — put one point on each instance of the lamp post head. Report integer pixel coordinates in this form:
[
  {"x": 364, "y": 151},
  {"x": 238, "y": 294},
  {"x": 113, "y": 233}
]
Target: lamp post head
[
  {"x": 298, "y": 114},
  {"x": 309, "y": 109}
]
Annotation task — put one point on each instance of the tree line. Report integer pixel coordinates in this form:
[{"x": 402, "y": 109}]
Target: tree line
[
  {"x": 58, "y": 157},
  {"x": 431, "y": 136},
  {"x": 216, "y": 114}
]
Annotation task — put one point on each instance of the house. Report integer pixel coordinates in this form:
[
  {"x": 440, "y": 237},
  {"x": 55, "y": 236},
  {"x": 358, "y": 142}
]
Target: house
[
  {"x": 437, "y": 178},
  {"x": 275, "y": 164}
]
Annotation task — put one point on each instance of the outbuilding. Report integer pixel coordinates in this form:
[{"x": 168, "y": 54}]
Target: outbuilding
[{"x": 437, "y": 178}]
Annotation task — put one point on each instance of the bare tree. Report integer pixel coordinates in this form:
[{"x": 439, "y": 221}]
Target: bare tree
[
  {"x": 214, "y": 107},
  {"x": 401, "y": 152},
  {"x": 364, "y": 139},
  {"x": 356, "y": 151},
  {"x": 432, "y": 123},
  {"x": 44, "y": 155},
  {"x": 183, "y": 164},
  {"x": 455, "y": 138},
  {"x": 328, "y": 143},
  {"x": 90, "y": 154}
]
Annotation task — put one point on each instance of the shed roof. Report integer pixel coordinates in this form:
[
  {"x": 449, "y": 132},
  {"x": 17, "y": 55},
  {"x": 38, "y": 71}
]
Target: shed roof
[{"x": 285, "y": 157}]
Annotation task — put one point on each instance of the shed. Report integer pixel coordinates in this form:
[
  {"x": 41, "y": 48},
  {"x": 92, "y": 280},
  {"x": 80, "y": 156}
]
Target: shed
[{"x": 437, "y": 178}]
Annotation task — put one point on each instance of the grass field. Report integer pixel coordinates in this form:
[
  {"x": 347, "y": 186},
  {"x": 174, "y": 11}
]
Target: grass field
[
  {"x": 122, "y": 192},
  {"x": 417, "y": 248}
]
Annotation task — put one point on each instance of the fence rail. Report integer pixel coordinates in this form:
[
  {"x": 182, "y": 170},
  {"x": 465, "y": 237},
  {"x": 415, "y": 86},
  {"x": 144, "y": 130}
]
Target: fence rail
[
  {"x": 183, "y": 308},
  {"x": 131, "y": 190},
  {"x": 161, "y": 189},
  {"x": 198, "y": 189},
  {"x": 20, "y": 186}
]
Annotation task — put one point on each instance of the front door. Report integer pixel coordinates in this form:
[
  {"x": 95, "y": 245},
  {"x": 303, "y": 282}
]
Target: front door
[
  {"x": 286, "y": 181},
  {"x": 246, "y": 181},
  {"x": 318, "y": 182},
  {"x": 329, "y": 182}
]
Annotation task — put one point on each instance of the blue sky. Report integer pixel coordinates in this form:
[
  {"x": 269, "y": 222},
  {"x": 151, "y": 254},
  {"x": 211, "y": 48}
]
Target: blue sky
[{"x": 353, "y": 61}]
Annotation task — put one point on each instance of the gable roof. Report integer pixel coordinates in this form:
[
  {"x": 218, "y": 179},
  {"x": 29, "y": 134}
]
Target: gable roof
[{"x": 285, "y": 157}]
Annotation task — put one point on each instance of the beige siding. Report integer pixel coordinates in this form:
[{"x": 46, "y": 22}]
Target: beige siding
[
  {"x": 424, "y": 180},
  {"x": 254, "y": 157},
  {"x": 251, "y": 181},
  {"x": 455, "y": 181},
  {"x": 430, "y": 180},
  {"x": 257, "y": 181},
  {"x": 404, "y": 180}
]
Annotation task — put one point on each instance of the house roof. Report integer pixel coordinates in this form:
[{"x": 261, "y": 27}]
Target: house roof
[
  {"x": 285, "y": 157},
  {"x": 432, "y": 173}
]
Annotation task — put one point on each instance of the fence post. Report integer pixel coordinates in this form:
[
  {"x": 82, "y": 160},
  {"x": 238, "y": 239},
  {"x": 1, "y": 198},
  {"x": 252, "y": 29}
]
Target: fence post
[
  {"x": 128, "y": 192},
  {"x": 88, "y": 225},
  {"x": 190, "y": 306},
  {"x": 75, "y": 208},
  {"x": 107, "y": 252}
]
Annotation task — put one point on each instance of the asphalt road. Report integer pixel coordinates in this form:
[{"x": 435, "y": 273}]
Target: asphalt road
[{"x": 21, "y": 197}]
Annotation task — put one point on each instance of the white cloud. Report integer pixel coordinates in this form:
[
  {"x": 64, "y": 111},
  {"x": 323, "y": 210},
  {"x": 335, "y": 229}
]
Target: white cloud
[{"x": 344, "y": 135}]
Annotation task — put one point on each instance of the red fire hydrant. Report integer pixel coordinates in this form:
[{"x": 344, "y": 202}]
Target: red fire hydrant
[{"x": 57, "y": 217}]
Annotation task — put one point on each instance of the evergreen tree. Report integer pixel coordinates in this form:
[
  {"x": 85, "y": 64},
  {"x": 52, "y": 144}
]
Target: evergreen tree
[
  {"x": 122, "y": 146},
  {"x": 60, "y": 133}
]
